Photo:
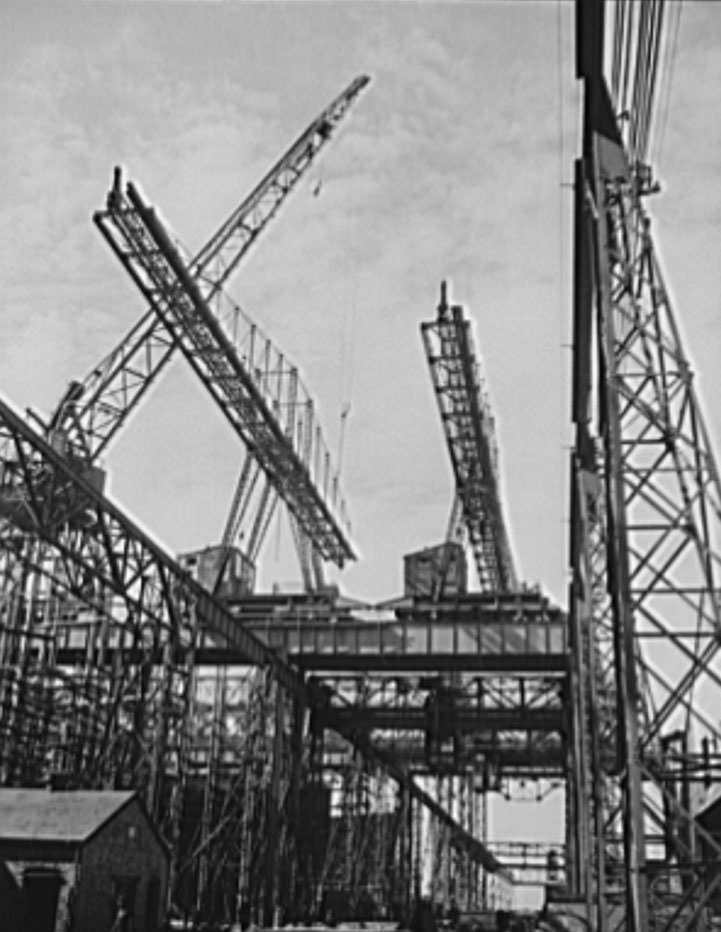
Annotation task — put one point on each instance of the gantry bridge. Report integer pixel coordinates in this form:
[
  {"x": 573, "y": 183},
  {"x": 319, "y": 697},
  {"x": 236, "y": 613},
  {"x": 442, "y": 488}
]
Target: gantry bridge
[{"x": 312, "y": 755}]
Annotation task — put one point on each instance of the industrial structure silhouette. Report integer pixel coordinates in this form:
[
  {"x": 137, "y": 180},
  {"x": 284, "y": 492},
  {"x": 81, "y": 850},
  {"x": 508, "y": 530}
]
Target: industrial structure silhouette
[{"x": 309, "y": 757}]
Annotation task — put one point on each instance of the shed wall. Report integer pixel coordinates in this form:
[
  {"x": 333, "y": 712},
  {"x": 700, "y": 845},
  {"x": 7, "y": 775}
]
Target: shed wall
[{"x": 126, "y": 853}]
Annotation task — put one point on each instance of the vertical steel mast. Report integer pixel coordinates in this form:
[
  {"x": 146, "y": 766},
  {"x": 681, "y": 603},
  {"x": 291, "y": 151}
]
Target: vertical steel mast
[
  {"x": 645, "y": 538},
  {"x": 93, "y": 411}
]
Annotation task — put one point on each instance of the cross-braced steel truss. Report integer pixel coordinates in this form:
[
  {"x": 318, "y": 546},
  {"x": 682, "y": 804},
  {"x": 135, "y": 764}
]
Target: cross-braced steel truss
[
  {"x": 99, "y": 686},
  {"x": 470, "y": 434},
  {"x": 645, "y": 555}
]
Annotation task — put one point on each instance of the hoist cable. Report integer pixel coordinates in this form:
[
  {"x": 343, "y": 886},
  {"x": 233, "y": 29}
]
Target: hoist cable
[
  {"x": 624, "y": 103},
  {"x": 642, "y": 75},
  {"x": 638, "y": 53},
  {"x": 619, "y": 12},
  {"x": 671, "y": 50},
  {"x": 637, "y": 81},
  {"x": 653, "y": 77}
]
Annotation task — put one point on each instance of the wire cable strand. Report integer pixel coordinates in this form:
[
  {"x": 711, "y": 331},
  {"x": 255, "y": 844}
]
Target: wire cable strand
[{"x": 667, "y": 71}]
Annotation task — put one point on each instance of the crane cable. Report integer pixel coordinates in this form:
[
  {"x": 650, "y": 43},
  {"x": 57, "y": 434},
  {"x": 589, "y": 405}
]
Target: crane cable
[
  {"x": 641, "y": 51},
  {"x": 562, "y": 306},
  {"x": 652, "y": 73},
  {"x": 640, "y": 82},
  {"x": 618, "y": 33},
  {"x": 351, "y": 272},
  {"x": 667, "y": 70}
]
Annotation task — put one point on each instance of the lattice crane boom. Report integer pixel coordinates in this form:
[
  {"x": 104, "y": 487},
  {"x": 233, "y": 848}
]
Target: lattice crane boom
[
  {"x": 468, "y": 426},
  {"x": 93, "y": 410},
  {"x": 260, "y": 397},
  {"x": 218, "y": 258}
]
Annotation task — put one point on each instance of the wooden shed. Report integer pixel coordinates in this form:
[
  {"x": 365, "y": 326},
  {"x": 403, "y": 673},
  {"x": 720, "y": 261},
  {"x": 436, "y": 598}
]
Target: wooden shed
[{"x": 68, "y": 858}]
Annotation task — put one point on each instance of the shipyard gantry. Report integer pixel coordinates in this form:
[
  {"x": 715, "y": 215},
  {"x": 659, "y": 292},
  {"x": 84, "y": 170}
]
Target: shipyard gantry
[{"x": 311, "y": 758}]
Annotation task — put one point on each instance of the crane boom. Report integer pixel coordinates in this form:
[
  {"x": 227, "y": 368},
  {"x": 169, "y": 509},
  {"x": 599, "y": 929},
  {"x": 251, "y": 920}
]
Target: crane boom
[
  {"x": 222, "y": 349},
  {"x": 468, "y": 426},
  {"x": 218, "y": 258},
  {"x": 93, "y": 410}
]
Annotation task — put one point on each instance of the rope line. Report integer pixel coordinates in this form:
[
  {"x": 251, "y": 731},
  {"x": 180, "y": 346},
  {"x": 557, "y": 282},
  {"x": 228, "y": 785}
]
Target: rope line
[{"x": 644, "y": 49}]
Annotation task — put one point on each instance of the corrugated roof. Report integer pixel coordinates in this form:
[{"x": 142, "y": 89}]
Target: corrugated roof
[{"x": 65, "y": 816}]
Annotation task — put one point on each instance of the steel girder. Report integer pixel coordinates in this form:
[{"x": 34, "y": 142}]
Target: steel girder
[
  {"x": 499, "y": 664},
  {"x": 495, "y": 726},
  {"x": 63, "y": 544},
  {"x": 470, "y": 434},
  {"x": 510, "y": 757},
  {"x": 93, "y": 410},
  {"x": 646, "y": 532},
  {"x": 466, "y": 722}
]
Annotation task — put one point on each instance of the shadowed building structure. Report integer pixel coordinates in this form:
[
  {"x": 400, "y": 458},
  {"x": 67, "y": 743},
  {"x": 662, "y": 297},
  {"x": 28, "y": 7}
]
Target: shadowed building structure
[{"x": 75, "y": 855}]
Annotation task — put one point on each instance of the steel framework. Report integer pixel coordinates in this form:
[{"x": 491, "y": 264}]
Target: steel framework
[
  {"x": 105, "y": 639},
  {"x": 93, "y": 410},
  {"x": 470, "y": 434},
  {"x": 77, "y": 572},
  {"x": 645, "y": 542},
  {"x": 362, "y": 787},
  {"x": 261, "y": 401}
]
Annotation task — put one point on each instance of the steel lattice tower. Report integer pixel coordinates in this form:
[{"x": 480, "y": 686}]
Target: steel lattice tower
[{"x": 646, "y": 529}]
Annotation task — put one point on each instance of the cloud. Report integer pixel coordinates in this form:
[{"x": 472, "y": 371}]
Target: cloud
[{"x": 447, "y": 167}]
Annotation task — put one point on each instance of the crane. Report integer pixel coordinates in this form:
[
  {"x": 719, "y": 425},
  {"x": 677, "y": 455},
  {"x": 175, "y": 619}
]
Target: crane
[
  {"x": 645, "y": 525},
  {"x": 258, "y": 397},
  {"x": 469, "y": 429},
  {"x": 92, "y": 410},
  {"x": 155, "y": 606}
]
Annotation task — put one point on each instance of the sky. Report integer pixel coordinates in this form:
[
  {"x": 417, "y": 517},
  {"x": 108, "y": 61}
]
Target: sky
[{"x": 454, "y": 164}]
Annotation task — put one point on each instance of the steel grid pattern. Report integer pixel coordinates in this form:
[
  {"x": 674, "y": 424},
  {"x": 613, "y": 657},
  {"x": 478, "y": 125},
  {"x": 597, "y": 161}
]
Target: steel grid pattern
[
  {"x": 61, "y": 537},
  {"x": 646, "y": 525},
  {"x": 469, "y": 429},
  {"x": 264, "y": 413},
  {"x": 94, "y": 409}
]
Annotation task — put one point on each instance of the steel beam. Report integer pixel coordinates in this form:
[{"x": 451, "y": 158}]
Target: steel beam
[
  {"x": 466, "y": 721},
  {"x": 144, "y": 247},
  {"x": 92, "y": 540},
  {"x": 94, "y": 409}
]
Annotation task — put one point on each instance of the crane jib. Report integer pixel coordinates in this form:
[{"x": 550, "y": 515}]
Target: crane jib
[
  {"x": 113, "y": 388},
  {"x": 144, "y": 247}
]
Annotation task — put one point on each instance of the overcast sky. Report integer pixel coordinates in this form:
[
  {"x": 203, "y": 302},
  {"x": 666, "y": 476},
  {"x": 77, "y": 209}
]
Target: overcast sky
[{"x": 449, "y": 166}]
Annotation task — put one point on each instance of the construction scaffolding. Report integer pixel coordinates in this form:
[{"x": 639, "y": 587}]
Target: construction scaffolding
[{"x": 313, "y": 758}]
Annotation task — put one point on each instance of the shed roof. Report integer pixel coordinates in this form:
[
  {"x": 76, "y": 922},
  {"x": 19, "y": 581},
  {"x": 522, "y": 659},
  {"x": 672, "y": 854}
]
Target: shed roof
[{"x": 57, "y": 816}]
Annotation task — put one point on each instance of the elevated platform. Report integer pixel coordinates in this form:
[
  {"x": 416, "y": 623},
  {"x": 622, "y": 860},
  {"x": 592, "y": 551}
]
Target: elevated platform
[
  {"x": 475, "y": 633},
  {"x": 490, "y": 633},
  {"x": 512, "y": 755},
  {"x": 465, "y": 721}
]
